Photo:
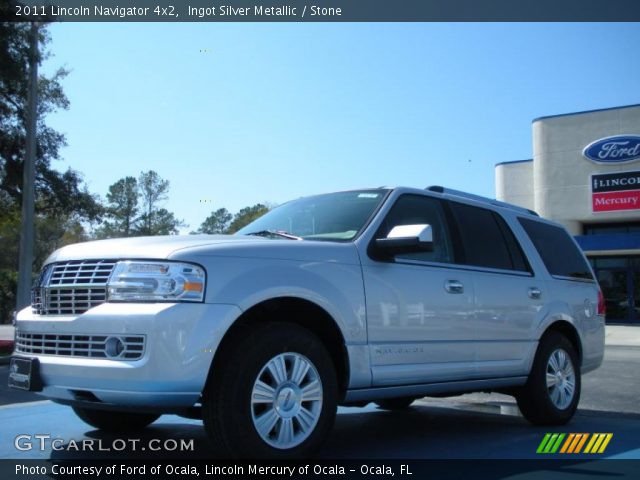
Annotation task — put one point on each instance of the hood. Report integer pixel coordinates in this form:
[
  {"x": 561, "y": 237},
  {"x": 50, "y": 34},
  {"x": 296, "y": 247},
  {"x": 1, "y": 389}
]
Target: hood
[{"x": 159, "y": 247}]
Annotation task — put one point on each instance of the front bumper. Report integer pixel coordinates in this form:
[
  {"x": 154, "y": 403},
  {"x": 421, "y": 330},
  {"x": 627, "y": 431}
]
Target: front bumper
[{"x": 180, "y": 342}]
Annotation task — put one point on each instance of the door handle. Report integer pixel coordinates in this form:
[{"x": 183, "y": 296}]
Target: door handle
[
  {"x": 534, "y": 293},
  {"x": 454, "y": 286}
]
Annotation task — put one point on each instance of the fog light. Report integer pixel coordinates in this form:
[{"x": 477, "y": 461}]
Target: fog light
[{"x": 114, "y": 347}]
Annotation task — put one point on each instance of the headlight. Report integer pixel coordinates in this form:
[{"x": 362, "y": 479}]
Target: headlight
[{"x": 141, "y": 281}]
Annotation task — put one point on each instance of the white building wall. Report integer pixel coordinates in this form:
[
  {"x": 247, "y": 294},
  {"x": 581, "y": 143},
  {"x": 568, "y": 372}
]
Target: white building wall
[
  {"x": 514, "y": 183},
  {"x": 562, "y": 175},
  {"x": 557, "y": 184}
]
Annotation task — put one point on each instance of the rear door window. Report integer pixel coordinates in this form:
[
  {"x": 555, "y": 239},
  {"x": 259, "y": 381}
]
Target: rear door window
[{"x": 487, "y": 241}]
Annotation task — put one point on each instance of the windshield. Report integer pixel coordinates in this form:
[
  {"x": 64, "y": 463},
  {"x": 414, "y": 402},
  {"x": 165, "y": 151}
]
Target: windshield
[{"x": 334, "y": 216}]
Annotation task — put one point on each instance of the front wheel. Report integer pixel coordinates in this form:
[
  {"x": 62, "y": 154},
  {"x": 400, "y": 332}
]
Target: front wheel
[
  {"x": 552, "y": 392},
  {"x": 113, "y": 421},
  {"x": 276, "y": 396}
]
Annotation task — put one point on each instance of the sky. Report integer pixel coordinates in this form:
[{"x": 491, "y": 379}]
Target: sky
[{"x": 241, "y": 113}]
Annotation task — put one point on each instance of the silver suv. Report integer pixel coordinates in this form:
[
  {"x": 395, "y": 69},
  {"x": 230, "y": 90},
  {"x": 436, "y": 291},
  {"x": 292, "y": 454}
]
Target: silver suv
[{"x": 383, "y": 295}]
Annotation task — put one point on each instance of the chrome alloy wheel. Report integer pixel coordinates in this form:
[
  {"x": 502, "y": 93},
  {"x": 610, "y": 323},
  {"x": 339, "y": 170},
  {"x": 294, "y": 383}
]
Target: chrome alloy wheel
[
  {"x": 286, "y": 400},
  {"x": 561, "y": 379}
]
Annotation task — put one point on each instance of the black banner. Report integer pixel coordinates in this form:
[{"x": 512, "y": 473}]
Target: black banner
[
  {"x": 615, "y": 182},
  {"x": 409, "y": 469},
  {"x": 321, "y": 11}
]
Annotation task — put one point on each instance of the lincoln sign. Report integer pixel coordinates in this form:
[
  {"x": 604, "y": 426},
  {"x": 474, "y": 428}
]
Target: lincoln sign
[{"x": 612, "y": 192}]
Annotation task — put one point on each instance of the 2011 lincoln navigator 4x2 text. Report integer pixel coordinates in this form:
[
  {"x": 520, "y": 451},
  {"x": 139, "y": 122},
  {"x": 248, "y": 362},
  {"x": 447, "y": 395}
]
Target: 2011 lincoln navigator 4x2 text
[{"x": 383, "y": 295}]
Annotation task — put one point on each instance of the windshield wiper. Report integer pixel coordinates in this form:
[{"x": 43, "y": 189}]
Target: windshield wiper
[{"x": 275, "y": 233}]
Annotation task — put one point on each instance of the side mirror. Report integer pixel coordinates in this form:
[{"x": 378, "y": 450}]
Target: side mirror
[{"x": 406, "y": 239}]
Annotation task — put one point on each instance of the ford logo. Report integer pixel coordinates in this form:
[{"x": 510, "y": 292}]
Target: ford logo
[{"x": 616, "y": 149}]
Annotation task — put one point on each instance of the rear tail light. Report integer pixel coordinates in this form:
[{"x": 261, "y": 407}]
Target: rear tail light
[{"x": 602, "y": 309}]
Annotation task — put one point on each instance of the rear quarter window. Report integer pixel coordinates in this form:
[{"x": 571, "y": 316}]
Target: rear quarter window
[{"x": 560, "y": 255}]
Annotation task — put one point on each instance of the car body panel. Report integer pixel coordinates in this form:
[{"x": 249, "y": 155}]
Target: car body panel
[{"x": 180, "y": 342}]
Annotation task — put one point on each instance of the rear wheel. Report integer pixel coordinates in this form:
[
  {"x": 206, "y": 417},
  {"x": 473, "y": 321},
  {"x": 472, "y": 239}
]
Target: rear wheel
[
  {"x": 112, "y": 421},
  {"x": 276, "y": 396},
  {"x": 552, "y": 392},
  {"x": 400, "y": 403}
]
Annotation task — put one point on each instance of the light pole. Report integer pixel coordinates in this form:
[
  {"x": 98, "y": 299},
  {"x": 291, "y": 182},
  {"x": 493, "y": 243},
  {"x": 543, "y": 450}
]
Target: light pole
[{"x": 28, "y": 186}]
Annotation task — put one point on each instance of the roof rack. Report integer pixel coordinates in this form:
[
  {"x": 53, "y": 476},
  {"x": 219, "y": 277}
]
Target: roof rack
[{"x": 479, "y": 198}]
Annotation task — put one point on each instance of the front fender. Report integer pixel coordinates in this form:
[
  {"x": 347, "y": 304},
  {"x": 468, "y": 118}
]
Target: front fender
[{"x": 335, "y": 287}]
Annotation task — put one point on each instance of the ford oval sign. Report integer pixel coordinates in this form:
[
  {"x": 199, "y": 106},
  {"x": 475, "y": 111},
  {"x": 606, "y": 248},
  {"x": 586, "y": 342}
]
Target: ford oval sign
[{"x": 616, "y": 149}]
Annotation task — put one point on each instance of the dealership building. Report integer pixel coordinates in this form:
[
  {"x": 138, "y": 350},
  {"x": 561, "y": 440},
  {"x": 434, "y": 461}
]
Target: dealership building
[{"x": 585, "y": 174}]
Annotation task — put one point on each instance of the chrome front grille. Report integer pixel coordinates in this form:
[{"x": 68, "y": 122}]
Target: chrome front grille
[
  {"x": 93, "y": 346},
  {"x": 70, "y": 301},
  {"x": 71, "y": 288},
  {"x": 87, "y": 272}
]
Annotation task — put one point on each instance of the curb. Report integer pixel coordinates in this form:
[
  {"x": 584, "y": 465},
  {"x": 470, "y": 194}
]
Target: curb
[{"x": 622, "y": 335}]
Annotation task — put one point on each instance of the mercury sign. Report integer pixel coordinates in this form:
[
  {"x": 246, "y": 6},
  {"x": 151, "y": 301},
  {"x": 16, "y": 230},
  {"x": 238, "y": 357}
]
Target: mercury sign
[
  {"x": 616, "y": 149},
  {"x": 612, "y": 192}
]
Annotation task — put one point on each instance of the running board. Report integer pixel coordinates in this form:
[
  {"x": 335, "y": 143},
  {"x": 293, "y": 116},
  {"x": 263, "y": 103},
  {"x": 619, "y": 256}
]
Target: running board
[{"x": 424, "y": 390}]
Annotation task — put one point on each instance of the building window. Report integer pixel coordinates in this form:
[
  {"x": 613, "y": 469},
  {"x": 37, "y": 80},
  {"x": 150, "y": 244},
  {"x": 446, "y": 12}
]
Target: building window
[
  {"x": 609, "y": 262},
  {"x": 619, "y": 279},
  {"x": 611, "y": 228}
]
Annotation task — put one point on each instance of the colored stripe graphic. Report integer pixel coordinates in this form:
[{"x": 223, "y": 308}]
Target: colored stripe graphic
[
  {"x": 574, "y": 443},
  {"x": 597, "y": 443},
  {"x": 606, "y": 442},
  {"x": 543, "y": 443},
  {"x": 593, "y": 440},
  {"x": 557, "y": 444},
  {"x": 582, "y": 442},
  {"x": 569, "y": 445},
  {"x": 550, "y": 443}
]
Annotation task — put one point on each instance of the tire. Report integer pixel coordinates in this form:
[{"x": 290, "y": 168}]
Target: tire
[
  {"x": 276, "y": 396},
  {"x": 401, "y": 403},
  {"x": 552, "y": 392},
  {"x": 112, "y": 421}
]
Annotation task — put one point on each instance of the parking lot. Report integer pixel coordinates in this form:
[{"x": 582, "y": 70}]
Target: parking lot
[{"x": 474, "y": 426}]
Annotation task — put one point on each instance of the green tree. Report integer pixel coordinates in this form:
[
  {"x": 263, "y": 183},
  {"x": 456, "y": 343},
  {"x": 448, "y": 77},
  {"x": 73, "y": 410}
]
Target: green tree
[
  {"x": 121, "y": 210},
  {"x": 56, "y": 192},
  {"x": 155, "y": 220},
  {"x": 56, "y": 232},
  {"x": 9, "y": 241},
  {"x": 160, "y": 222},
  {"x": 53, "y": 232},
  {"x": 63, "y": 203},
  {"x": 217, "y": 222},
  {"x": 246, "y": 216},
  {"x": 134, "y": 208}
]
